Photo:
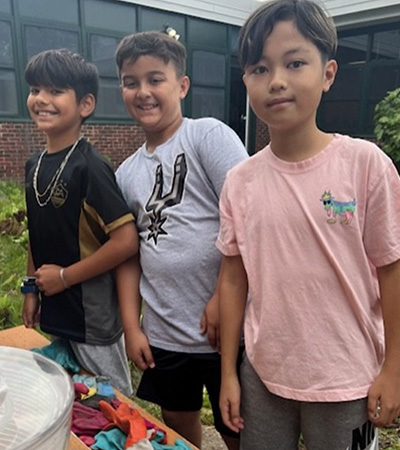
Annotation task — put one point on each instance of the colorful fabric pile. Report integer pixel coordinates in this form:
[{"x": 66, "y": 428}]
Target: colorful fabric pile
[{"x": 100, "y": 420}]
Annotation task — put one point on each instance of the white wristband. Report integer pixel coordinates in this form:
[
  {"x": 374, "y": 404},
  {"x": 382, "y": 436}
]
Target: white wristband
[{"x": 66, "y": 285}]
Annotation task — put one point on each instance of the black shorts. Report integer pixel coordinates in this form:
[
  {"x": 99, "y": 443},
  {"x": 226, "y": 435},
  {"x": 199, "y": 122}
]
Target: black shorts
[{"x": 177, "y": 381}]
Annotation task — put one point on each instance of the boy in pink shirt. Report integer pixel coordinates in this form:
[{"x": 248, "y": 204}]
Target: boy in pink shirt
[{"x": 310, "y": 227}]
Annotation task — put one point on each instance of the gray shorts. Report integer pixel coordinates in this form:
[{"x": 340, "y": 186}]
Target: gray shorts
[
  {"x": 272, "y": 422},
  {"x": 107, "y": 360}
]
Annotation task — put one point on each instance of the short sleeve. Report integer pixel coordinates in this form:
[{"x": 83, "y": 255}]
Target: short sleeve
[
  {"x": 220, "y": 149},
  {"x": 226, "y": 241},
  {"x": 382, "y": 224},
  {"x": 104, "y": 198}
]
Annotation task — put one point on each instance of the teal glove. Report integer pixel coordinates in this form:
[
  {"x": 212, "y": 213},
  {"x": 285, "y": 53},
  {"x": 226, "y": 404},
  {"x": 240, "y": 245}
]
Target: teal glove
[
  {"x": 61, "y": 352},
  {"x": 113, "y": 439}
]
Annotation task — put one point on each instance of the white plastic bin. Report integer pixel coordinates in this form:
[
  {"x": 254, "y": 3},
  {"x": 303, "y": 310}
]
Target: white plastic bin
[{"x": 36, "y": 398}]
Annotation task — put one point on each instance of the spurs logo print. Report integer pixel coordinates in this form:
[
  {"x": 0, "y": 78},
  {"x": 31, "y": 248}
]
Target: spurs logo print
[
  {"x": 158, "y": 202},
  {"x": 334, "y": 208}
]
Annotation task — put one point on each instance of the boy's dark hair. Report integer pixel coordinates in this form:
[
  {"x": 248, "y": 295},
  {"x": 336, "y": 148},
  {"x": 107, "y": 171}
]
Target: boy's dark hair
[
  {"x": 310, "y": 19},
  {"x": 152, "y": 43},
  {"x": 63, "y": 69}
]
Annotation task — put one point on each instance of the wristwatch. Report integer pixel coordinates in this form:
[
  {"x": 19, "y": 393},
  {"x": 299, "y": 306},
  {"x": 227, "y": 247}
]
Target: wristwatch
[{"x": 28, "y": 285}]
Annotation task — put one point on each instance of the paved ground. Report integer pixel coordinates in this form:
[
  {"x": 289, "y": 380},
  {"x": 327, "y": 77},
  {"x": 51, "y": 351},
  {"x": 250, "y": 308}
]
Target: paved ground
[{"x": 211, "y": 439}]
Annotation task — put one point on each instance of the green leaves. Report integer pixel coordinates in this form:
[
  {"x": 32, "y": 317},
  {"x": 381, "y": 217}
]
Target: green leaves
[
  {"x": 387, "y": 124},
  {"x": 13, "y": 252}
]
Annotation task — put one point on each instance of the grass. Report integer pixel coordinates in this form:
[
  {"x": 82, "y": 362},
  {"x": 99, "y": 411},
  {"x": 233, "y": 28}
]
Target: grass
[{"x": 13, "y": 250}]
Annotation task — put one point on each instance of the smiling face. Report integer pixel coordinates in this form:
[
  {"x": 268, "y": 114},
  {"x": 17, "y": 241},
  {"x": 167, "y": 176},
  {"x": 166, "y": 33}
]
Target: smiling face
[
  {"x": 56, "y": 112},
  {"x": 286, "y": 85},
  {"x": 152, "y": 93}
]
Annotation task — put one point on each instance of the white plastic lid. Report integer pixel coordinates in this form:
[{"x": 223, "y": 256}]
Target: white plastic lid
[{"x": 36, "y": 397}]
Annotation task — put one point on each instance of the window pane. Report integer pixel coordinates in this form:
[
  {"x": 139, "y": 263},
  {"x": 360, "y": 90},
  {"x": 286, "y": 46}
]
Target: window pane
[
  {"x": 207, "y": 34},
  {"x": 347, "y": 85},
  {"x": 103, "y": 51},
  {"x": 339, "y": 117},
  {"x": 5, "y": 6},
  {"x": 157, "y": 20},
  {"x": 208, "y": 102},
  {"x": 58, "y": 10},
  {"x": 352, "y": 49},
  {"x": 234, "y": 40},
  {"x": 110, "y": 16},
  {"x": 386, "y": 45},
  {"x": 8, "y": 93},
  {"x": 41, "y": 38},
  {"x": 208, "y": 68},
  {"x": 384, "y": 79},
  {"x": 109, "y": 102},
  {"x": 6, "y": 54}
]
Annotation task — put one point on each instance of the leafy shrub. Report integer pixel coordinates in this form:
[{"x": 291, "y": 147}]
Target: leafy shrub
[
  {"x": 387, "y": 124},
  {"x": 12, "y": 199},
  {"x": 13, "y": 245}
]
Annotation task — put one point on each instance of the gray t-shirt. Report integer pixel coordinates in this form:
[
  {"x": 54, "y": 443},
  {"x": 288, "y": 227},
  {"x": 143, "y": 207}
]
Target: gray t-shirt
[{"x": 174, "y": 195}]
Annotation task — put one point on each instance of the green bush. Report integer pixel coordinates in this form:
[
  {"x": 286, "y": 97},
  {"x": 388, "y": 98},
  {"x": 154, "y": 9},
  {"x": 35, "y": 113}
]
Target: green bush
[
  {"x": 12, "y": 199},
  {"x": 387, "y": 124},
  {"x": 13, "y": 251}
]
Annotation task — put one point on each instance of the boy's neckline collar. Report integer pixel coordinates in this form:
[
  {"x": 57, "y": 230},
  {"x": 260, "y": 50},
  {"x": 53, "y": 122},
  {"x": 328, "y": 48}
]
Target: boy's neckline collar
[
  {"x": 150, "y": 153},
  {"x": 62, "y": 144},
  {"x": 305, "y": 164}
]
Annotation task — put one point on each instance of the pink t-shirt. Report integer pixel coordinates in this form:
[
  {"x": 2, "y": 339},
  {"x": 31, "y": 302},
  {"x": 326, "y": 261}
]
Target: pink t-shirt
[{"x": 310, "y": 234}]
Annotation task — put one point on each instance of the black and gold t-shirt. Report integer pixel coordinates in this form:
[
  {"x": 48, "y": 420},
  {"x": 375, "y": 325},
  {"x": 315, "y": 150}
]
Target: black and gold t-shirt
[{"x": 83, "y": 208}]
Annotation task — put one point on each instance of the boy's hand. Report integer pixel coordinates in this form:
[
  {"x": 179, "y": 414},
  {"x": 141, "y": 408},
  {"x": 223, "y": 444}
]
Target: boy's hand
[
  {"x": 210, "y": 322},
  {"x": 48, "y": 279},
  {"x": 229, "y": 403},
  {"x": 384, "y": 399},
  {"x": 30, "y": 310},
  {"x": 138, "y": 349}
]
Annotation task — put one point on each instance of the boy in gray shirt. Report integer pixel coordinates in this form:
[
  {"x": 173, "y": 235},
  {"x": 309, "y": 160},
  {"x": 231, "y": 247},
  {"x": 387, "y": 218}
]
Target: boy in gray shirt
[{"x": 172, "y": 185}]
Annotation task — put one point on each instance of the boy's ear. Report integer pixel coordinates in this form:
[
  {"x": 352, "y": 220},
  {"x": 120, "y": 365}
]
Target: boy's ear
[
  {"x": 185, "y": 85},
  {"x": 87, "y": 105},
  {"x": 331, "y": 68}
]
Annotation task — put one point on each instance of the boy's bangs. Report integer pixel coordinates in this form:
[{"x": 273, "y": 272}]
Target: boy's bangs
[{"x": 48, "y": 73}]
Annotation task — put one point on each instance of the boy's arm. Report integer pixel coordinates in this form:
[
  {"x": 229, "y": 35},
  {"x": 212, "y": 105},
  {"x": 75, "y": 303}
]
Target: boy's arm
[
  {"x": 233, "y": 297},
  {"x": 122, "y": 244},
  {"x": 130, "y": 302},
  {"x": 31, "y": 304},
  {"x": 384, "y": 394},
  {"x": 210, "y": 320}
]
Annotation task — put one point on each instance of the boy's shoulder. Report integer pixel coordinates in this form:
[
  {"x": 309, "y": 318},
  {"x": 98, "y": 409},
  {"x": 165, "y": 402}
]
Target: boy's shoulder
[
  {"x": 360, "y": 150},
  {"x": 91, "y": 154},
  {"x": 131, "y": 159},
  {"x": 205, "y": 124},
  {"x": 209, "y": 134}
]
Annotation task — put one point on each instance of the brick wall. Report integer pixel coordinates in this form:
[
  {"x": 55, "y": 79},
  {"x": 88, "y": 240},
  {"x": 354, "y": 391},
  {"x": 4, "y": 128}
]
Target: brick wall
[
  {"x": 262, "y": 135},
  {"x": 18, "y": 141}
]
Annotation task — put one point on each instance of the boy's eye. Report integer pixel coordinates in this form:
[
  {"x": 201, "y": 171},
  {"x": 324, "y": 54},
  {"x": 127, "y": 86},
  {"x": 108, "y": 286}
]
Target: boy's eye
[
  {"x": 259, "y": 70},
  {"x": 155, "y": 80},
  {"x": 129, "y": 84},
  {"x": 296, "y": 64},
  {"x": 55, "y": 91},
  {"x": 33, "y": 90}
]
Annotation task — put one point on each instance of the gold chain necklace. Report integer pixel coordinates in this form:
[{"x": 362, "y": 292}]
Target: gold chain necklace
[{"x": 54, "y": 181}]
